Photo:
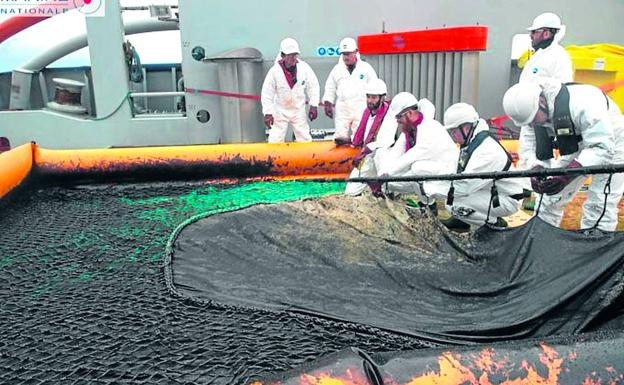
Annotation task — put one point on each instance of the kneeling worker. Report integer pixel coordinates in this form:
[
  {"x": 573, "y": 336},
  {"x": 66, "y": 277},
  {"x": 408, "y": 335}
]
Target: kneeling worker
[
  {"x": 423, "y": 148},
  {"x": 365, "y": 137},
  {"x": 472, "y": 201}
]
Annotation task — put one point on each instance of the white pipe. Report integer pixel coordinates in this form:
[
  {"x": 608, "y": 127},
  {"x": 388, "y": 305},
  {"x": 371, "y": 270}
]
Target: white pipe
[
  {"x": 80, "y": 41},
  {"x": 155, "y": 94},
  {"x": 145, "y": 8}
]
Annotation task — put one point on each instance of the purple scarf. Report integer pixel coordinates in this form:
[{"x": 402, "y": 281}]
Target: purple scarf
[
  {"x": 358, "y": 138},
  {"x": 411, "y": 135},
  {"x": 291, "y": 77}
]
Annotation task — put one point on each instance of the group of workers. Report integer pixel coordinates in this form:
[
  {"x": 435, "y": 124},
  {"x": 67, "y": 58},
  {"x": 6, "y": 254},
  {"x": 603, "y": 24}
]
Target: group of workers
[
  {"x": 563, "y": 125},
  {"x": 290, "y": 80}
]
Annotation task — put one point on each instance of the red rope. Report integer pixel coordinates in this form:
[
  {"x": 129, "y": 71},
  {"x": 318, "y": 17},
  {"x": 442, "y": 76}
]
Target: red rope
[{"x": 222, "y": 93}]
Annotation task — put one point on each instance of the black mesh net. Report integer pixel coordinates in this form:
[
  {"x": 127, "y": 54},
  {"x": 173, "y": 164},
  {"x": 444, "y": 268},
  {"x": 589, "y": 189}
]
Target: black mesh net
[{"x": 84, "y": 298}]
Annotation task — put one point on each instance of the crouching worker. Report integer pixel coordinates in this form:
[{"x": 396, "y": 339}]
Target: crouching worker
[
  {"x": 471, "y": 201},
  {"x": 582, "y": 123},
  {"x": 365, "y": 137},
  {"x": 422, "y": 148}
]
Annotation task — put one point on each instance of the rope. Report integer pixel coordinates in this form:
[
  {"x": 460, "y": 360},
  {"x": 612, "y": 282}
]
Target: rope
[
  {"x": 539, "y": 204},
  {"x": 607, "y": 169},
  {"x": 606, "y": 191},
  {"x": 222, "y": 93},
  {"x": 127, "y": 97},
  {"x": 493, "y": 191}
]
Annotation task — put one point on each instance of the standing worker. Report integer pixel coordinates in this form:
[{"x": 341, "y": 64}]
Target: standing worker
[
  {"x": 344, "y": 89},
  {"x": 548, "y": 59},
  {"x": 284, "y": 95}
]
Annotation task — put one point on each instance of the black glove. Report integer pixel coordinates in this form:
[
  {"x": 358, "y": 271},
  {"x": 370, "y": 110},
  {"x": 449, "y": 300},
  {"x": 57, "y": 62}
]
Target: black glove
[{"x": 342, "y": 141}]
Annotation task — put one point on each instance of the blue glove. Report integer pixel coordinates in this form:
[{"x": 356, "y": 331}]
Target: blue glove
[{"x": 554, "y": 184}]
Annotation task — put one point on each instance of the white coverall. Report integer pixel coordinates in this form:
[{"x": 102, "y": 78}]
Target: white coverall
[
  {"x": 434, "y": 153},
  {"x": 550, "y": 62},
  {"x": 288, "y": 105},
  {"x": 346, "y": 91},
  {"x": 598, "y": 125},
  {"x": 473, "y": 196},
  {"x": 384, "y": 139}
]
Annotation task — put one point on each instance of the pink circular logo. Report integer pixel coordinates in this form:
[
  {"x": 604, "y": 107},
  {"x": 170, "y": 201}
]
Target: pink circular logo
[{"x": 88, "y": 6}]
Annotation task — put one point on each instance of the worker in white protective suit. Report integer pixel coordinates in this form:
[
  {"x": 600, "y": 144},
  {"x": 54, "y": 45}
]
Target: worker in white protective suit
[
  {"x": 344, "y": 89},
  {"x": 284, "y": 95},
  {"x": 585, "y": 126},
  {"x": 548, "y": 59},
  {"x": 365, "y": 137},
  {"x": 475, "y": 201},
  {"x": 424, "y": 147}
]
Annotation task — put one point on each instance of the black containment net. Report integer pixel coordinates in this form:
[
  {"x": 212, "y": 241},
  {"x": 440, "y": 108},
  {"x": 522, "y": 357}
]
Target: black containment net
[
  {"x": 195, "y": 283},
  {"x": 84, "y": 298}
]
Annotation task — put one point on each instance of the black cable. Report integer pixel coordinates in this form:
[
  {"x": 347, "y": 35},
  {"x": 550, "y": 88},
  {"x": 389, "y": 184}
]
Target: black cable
[
  {"x": 487, "y": 219},
  {"x": 539, "y": 205},
  {"x": 606, "y": 191}
]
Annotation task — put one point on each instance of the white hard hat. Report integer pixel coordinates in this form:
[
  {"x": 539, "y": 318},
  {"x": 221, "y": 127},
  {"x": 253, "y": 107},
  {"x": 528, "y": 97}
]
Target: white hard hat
[
  {"x": 348, "y": 45},
  {"x": 521, "y": 102},
  {"x": 402, "y": 101},
  {"x": 288, "y": 46},
  {"x": 546, "y": 20},
  {"x": 376, "y": 87},
  {"x": 458, "y": 114}
]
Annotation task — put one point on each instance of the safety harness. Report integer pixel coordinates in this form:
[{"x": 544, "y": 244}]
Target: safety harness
[
  {"x": 566, "y": 138},
  {"x": 464, "y": 157},
  {"x": 466, "y": 152}
]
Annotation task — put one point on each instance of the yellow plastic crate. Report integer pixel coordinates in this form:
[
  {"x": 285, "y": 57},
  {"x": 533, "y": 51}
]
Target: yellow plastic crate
[{"x": 601, "y": 65}]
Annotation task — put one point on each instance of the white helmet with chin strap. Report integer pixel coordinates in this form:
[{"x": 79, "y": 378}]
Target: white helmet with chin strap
[
  {"x": 458, "y": 114},
  {"x": 521, "y": 102},
  {"x": 376, "y": 87}
]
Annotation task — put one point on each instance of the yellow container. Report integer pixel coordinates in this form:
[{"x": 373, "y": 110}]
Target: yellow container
[{"x": 601, "y": 65}]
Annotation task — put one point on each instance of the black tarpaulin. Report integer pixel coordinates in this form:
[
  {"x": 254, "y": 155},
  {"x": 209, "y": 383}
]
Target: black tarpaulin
[{"x": 384, "y": 264}]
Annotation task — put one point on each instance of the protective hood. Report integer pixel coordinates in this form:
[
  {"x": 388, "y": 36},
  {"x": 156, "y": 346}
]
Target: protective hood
[
  {"x": 550, "y": 89},
  {"x": 560, "y": 34},
  {"x": 481, "y": 126},
  {"x": 426, "y": 108}
]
